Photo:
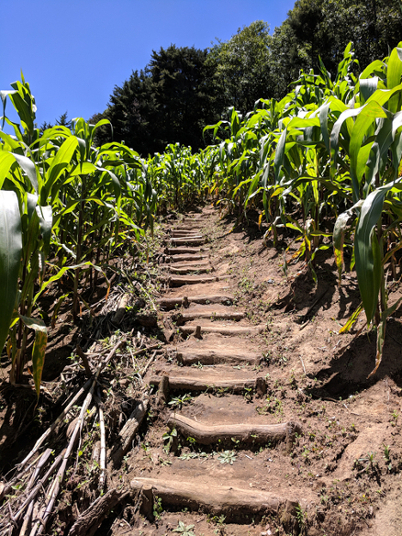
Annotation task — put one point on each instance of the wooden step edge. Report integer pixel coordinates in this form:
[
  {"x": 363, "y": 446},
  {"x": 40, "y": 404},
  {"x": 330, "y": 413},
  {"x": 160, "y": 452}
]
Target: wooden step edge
[
  {"x": 182, "y": 258},
  {"x": 244, "y": 432},
  {"x": 186, "y": 383},
  {"x": 234, "y": 503},
  {"x": 224, "y": 330},
  {"x": 182, "y": 318},
  {"x": 190, "y": 269},
  {"x": 183, "y": 251},
  {"x": 172, "y": 303},
  {"x": 211, "y": 357},
  {"x": 183, "y": 235},
  {"x": 179, "y": 281},
  {"x": 190, "y": 241}
]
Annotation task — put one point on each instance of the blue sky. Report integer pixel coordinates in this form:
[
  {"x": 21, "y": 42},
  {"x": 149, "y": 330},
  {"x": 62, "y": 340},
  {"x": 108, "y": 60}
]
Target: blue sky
[{"x": 73, "y": 52}]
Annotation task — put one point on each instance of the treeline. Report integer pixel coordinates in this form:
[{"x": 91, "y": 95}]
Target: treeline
[{"x": 183, "y": 89}]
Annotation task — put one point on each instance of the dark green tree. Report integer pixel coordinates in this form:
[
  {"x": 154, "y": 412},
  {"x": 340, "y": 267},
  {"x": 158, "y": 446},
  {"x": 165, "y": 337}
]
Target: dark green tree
[
  {"x": 323, "y": 28},
  {"x": 184, "y": 95},
  {"x": 243, "y": 67},
  {"x": 170, "y": 101},
  {"x": 63, "y": 120}
]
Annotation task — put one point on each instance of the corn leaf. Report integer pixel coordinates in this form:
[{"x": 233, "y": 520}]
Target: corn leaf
[
  {"x": 394, "y": 72},
  {"x": 338, "y": 239},
  {"x": 10, "y": 258},
  {"x": 39, "y": 348},
  {"x": 367, "y": 252}
]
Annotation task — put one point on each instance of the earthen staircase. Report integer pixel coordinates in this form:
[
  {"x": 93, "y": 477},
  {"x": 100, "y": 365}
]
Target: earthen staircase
[{"x": 220, "y": 353}]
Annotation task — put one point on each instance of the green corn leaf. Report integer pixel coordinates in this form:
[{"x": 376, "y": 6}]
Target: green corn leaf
[
  {"x": 62, "y": 271},
  {"x": 323, "y": 117},
  {"x": 367, "y": 87},
  {"x": 362, "y": 160},
  {"x": 338, "y": 239},
  {"x": 368, "y": 114},
  {"x": 10, "y": 258},
  {"x": 234, "y": 122},
  {"x": 394, "y": 72},
  {"x": 346, "y": 115},
  {"x": 279, "y": 155},
  {"x": 367, "y": 251},
  {"x": 59, "y": 163},
  {"x": 6, "y": 161},
  {"x": 84, "y": 168},
  {"x": 45, "y": 215},
  {"x": 24, "y": 103},
  {"x": 30, "y": 169},
  {"x": 375, "y": 66},
  {"x": 381, "y": 334},
  {"x": 3, "y": 97},
  {"x": 382, "y": 96},
  {"x": 39, "y": 348}
]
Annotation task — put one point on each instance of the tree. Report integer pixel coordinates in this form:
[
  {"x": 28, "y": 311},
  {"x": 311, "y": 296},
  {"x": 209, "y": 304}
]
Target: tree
[
  {"x": 129, "y": 111},
  {"x": 242, "y": 67},
  {"x": 63, "y": 120},
  {"x": 170, "y": 101},
  {"x": 323, "y": 28},
  {"x": 183, "y": 94}
]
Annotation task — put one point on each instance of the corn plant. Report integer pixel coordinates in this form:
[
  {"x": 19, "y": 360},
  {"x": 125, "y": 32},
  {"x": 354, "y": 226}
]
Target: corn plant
[
  {"x": 64, "y": 200},
  {"x": 330, "y": 148}
]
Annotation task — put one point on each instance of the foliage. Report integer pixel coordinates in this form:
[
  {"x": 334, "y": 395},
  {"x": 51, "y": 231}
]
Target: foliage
[
  {"x": 242, "y": 67},
  {"x": 321, "y": 29},
  {"x": 184, "y": 530},
  {"x": 66, "y": 209},
  {"x": 182, "y": 89},
  {"x": 170, "y": 101},
  {"x": 328, "y": 148},
  {"x": 228, "y": 456},
  {"x": 321, "y": 164}
]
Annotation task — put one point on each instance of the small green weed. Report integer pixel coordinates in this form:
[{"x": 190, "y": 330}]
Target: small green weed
[
  {"x": 184, "y": 530},
  {"x": 228, "y": 456}
]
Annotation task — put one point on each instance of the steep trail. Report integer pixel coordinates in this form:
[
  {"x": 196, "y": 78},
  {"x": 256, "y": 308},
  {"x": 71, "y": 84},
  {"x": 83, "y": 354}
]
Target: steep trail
[{"x": 219, "y": 360}]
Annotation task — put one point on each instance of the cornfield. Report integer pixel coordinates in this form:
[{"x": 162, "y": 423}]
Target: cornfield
[
  {"x": 66, "y": 207},
  {"x": 322, "y": 164}
]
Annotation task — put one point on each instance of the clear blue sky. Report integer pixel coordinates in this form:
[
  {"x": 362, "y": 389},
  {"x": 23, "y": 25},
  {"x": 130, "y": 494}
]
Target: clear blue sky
[{"x": 73, "y": 52}]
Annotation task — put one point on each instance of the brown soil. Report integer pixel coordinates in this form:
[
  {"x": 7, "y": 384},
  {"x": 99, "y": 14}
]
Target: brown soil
[{"x": 340, "y": 475}]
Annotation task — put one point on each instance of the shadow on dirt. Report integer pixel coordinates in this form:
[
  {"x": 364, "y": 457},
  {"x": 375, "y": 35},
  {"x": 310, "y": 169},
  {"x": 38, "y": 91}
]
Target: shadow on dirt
[
  {"x": 250, "y": 230},
  {"x": 304, "y": 295},
  {"x": 349, "y": 373}
]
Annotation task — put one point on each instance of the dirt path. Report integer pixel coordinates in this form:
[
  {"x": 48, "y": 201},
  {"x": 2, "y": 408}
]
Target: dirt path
[
  {"x": 215, "y": 461},
  {"x": 247, "y": 436}
]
